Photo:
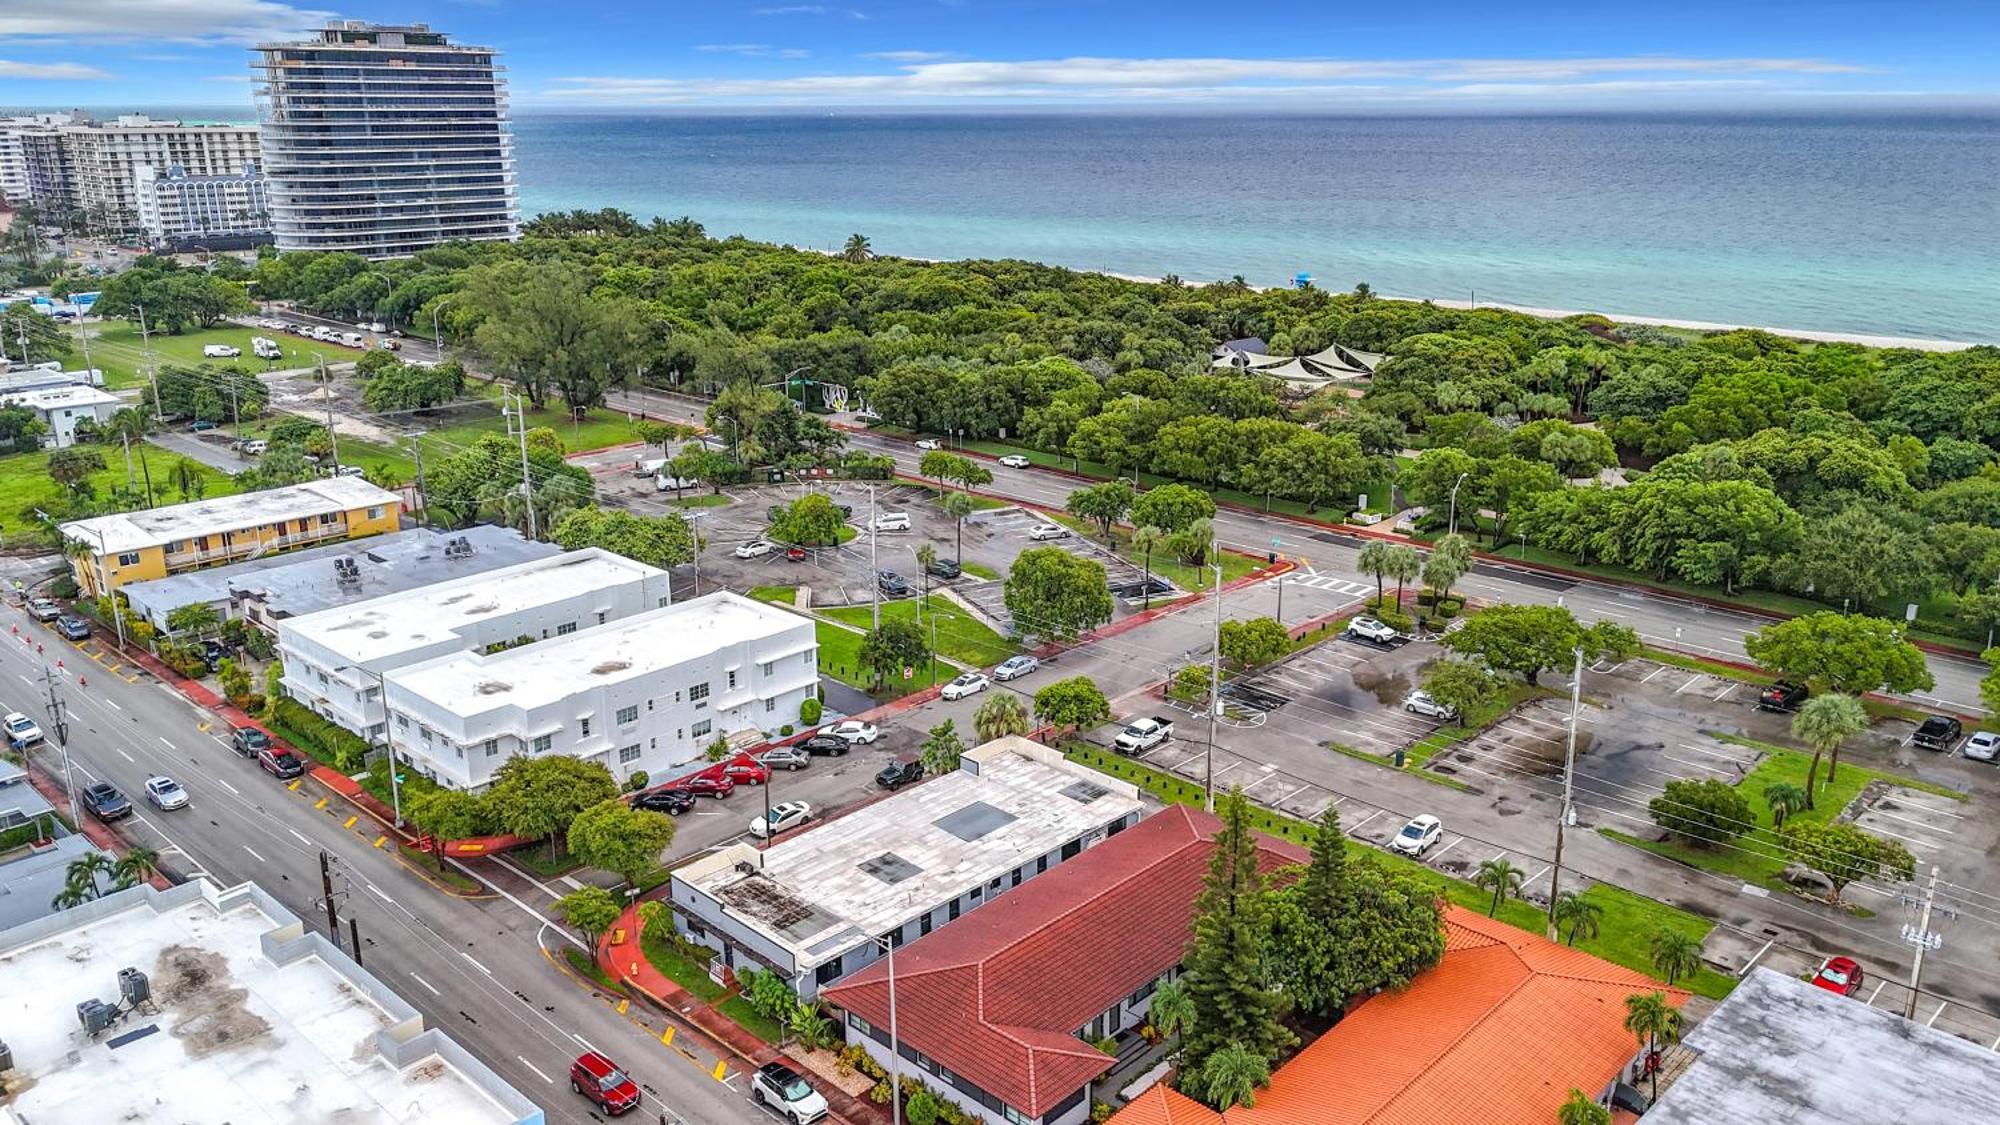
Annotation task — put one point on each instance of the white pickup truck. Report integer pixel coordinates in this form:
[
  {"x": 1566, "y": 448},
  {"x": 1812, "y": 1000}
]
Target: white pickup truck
[{"x": 1143, "y": 735}]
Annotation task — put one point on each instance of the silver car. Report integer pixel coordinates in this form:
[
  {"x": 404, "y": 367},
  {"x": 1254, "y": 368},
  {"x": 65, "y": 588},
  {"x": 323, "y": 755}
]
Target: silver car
[
  {"x": 1014, "y": 667},
  {"x": 1421, "y": 703},
  {"x": 785, "y": 758},
  {"x": 165, "y": 793}
]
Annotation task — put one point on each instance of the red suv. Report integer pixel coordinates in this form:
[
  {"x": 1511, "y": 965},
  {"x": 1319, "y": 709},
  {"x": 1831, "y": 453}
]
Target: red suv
[
  {"x": 600, "y": 1080},
  {"x": 702, "y": 785}
]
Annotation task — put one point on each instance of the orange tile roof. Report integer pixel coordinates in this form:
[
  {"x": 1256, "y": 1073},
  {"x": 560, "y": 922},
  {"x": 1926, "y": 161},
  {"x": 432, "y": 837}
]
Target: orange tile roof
[{"x": 1507, "y": 1022}]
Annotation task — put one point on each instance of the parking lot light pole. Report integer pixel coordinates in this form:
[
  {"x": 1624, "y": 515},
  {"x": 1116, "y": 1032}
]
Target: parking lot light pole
[
  {"x": 1214, "y": 695},
  {"x": 1567, "y": 812},
  {"x": 1451, "y": 525},
  {"x": 874, "y": 574}
]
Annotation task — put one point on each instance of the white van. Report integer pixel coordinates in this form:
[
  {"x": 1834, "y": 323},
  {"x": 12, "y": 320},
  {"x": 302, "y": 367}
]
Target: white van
[
  {"x": 321, "y": 332},
  {"x": 663, "y": 482},
  {"x": 266, "y": 348},
  {"x": 352, "y": 339},
  {"x": 220, "y": 351},
  {"x": 648, "y": 466}
]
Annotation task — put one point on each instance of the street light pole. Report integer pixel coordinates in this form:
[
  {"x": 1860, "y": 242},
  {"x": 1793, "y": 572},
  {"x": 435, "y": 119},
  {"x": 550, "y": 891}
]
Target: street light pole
[
  {"x": 1452, "y": 524},
  {"x": 437, "y": 334},
  {"x": 1214, "y": 695},
  {"x": 874, "y": 574},
  {"x": 1566, "y": 812}
]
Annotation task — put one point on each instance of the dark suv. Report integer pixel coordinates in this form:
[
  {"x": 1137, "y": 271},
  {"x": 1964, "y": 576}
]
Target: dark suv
[
  {"x": 105, "y": 802},
  {"x": 943, "y": 568},
  {"x": 895, "y": 775},
  {"x": 1782, "y": 696},
  {"x": 1939, "y": 732},
  {"x": 249, "y": 741}
]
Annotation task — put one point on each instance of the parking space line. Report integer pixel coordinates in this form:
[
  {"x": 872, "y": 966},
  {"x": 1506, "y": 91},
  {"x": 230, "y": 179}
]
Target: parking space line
[
  {"x": 1879, "y": 986},
  {"x": 1936, "y": 1014},
  {"x": 1918, "y": 823},
  {"x": 1288, "y": 796},
  {"x": 1439, "y": 854},
  {"x": 1726, "y": 689},
  {"x": 1364, "y": 820},
  {"x": 1691, "y": 682},
  {"x": 1654, "y": 672},
  {"x": 1910, "y": 839},
  {"x": 1525, "y": 883}
]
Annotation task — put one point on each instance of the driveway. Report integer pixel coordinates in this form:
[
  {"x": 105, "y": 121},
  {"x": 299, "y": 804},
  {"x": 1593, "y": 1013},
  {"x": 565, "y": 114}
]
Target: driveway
[{"x": 214, "y": 452}]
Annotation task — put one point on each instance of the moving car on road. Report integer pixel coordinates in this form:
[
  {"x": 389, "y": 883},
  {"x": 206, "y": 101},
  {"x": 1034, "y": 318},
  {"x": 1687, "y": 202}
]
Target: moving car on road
[
  {"x": 895, "y": 775},
  {"x": 1839, "y": 974},
  {"x": 72, "y": 627},
  {"x": 165, "y": 793},
  {"x": 21, "y": 730},
  {"x": 1418, "y": 835},
  {"x": 1014, "y": 667},
  {"x": 1983, "y": 746},
  {"x": 675, "y": 801},
  {"x": 1939, "y": 732},
  {"x": 1014, "y": 461},
  {"x": 1782, "y": 696},
  {"x": 1421, "y": 703},
  {"x": 785, "y": 758},
  {"x": 1044, "y": 531},
  {"x": 785, "y": 1090},
  {"x": 856, "y": 732},
  {"x": 1369, "y": 629},
  {"x": 781, "y": 818},
  {"x": 600, "y": 1080},
  {"x": 971, "y": 683},
  {"x": 928, "y": 443},
  {"x": 105, "y": 802}
]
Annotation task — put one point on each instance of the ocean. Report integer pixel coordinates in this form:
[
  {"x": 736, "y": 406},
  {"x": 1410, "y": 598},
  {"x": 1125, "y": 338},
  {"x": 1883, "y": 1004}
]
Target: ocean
[{"x": 1857, "y": 224}]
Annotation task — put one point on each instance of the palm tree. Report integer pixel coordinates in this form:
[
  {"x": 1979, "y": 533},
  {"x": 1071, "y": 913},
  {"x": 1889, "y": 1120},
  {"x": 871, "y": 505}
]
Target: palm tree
[
  {"x": 129, "y": 425},
  {"x": 1172, "y": 1010},
  {"x": 72, "y": 895},
  {"x": 1784, "y": 799},
  {"x": 1676, "y": 954},
  {"x": 1144, "y": 539},
  {"x": 1576, "y": 916},
  {"x": 83, "y": 871},
  {"x": 187, "y": 479},
  {"x": 926, "y": 558},
  {"x": 857, "y": 249},
  {"x": 1649, "y": 1018},
  {"x": 138, "y": 865},
  {"x": 957, "y": 505},
  {"x": 1232, "y": 1075},
  {"x": 1581, "y": 1110},
  {"x": 1374, "y": 559},
  {"x": 1501, "y": 877},
  {"x": 1823, "y": 724},
  {"x": 1002, "y": 714}
]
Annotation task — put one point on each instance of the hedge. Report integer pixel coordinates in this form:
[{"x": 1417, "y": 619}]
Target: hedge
[{"x": 326, "y": 742}]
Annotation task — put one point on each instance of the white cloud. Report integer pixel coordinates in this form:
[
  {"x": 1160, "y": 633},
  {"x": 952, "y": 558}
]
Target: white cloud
[
  {"x": 809, "y": 10},
  {"x": 753, "y": 50},
  {"x": 63, "y": 71},
  {"x": 929, "y": 77},
  {"x": 177, "y": 21}
]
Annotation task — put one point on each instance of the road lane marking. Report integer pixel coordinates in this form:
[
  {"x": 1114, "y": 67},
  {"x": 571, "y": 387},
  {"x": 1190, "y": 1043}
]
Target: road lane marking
[
  {"x": 254, "y": 855},
  {"x": 113, "y": 704},
  {"x": 377, "y": 891},
  {"x": 301, "y": 836},
  {"x": 165, "y": 742},
  {"x": 426, "y": 984},
  {"x": 475, "y": 962},
  {"x": 529, "y": 1065},
  {"x": 127, "y": 757},
  {"x": 228, "y": 786}
]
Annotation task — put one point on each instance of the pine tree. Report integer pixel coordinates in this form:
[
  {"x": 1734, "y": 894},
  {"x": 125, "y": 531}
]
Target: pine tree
[{"x": 1231, "y": 1005}]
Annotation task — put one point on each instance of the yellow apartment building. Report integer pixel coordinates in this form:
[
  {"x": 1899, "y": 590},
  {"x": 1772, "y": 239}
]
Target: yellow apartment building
[{"x": 109, "y": 551}]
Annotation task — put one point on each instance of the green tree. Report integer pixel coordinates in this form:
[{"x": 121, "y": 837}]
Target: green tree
[
  {"x": 542, "y": 326},
  {"x": 1844, "y": 853},
  {"x": 937, "y": 464},
  {"x": 1654, "y": 1023},
  {"x": 1579, "y": 1109},
  {"x": 942, "y": 750},
  {"x": 613, "y": 836},
  {"x": 1823, "y": 723},
  {"x": 957, "y": 505},
  {"x": 1231, "y": 1076},
  {"x": 1254, "y": 643},
  {"x": 1405, "y": 564},
  {"x": 704, "y": 465},
  {"x": 1465, "y": 686},
  {"x": 130, "y": 426},
  {"x": 73, "y": 466},
  {"x": 1001, "y": 715},
  {"x": 1103, "y": 504},
  {"x": 1784, "y": 798},
  {"x": 856, "y": 249},
  {"x": 662, "y": 541},
  {"x": 138, "y": 865},
  {"x": 538, "y": 798},
  {"x": 1054, "y": 594},
  {"x": 1500, "y": 876},
  {"x": 1675, "y": 954},
  {"x": 1429, "y": 479},
  {"x": 1576, "y": 916},
  {"x": 1172, "y": 507},
  {"x": 1840, "y": 652},
  {"x": 1528, "y": 640},
  {"x": 195, "y": 619},
  {"x": 811, "y": 520},
  {"x": 447, "y": 814},
  {"x": 1232, "y": 1008},
  {"x": 1172, "y": 1011},
  {"x": 1706, "y": 812},
  {"x": 896, "y": 644},
  {"x": 1072, "y": 704},
  {"x": 591, "y": 910},
  {"x": 1450, "y": 559},
  {"x": 1374, "y": 559},
  {"x": 1146, "y": 539}
]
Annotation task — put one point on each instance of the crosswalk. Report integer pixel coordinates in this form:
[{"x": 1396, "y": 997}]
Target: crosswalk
[{"x": 1312, "y": 579}]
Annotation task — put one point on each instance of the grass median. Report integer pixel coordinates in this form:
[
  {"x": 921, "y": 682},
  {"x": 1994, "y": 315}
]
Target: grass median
[{"x": 960, "y": 636}]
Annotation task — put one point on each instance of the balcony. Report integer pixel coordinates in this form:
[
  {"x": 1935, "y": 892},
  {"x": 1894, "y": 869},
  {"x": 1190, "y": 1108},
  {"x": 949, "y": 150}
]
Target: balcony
[{"x": 248, "y": 545}]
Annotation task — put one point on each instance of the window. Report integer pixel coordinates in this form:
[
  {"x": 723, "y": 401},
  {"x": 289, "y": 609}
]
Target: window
[
  {"x": 426, "y": 732},
  {"x": 565, "y": 629},
  {"x": 328, "y": 519},
  {"x": 1016, "y": 878},
  {"x": 732, "y": 679},
  {"x": 628, "y": 715},
  {"x": 543, "y": 742},
  {"x": 458, "y": 750},
  {"x": 826, "y": 974},
  {"x": 1070, "y": 850},
  {"x": 770, "y": 705},
  {"x": 492, "y": 747},
  {"x": 583, "y": 727},
  {"x": 1041, "y": 864},
  {"x": 402, "y": 722},
  {"x": 953, "y": 912},
  {"x": 175, "y": 547},
  {"x": 923, "y": 925},
  {"x": 129, "y": 558},
  {"x": 661, "y": 604},
  {"x": 766, "y": 668},
  {"x": 1014, "y": 1116},
  {"x": 628, "y": 754},
  {"x": 857, "y": 1023},
  {"x": 600, "y": 617},
  {"x": 697, "y": 693},
  {"x": 809, "y": 657},
  {"x": 1145, "y": 990},
  {"x": 322, "y": 677},
  {"x": 701, "y": 729},
  {"x": 375, "y": 513}
]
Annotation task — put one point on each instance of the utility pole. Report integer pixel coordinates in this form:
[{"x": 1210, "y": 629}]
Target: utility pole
[
  {"x": 520, "y": 415},
  {"x": 326, "y": 891},
  {"x": 59, "y": 723},
  {"x": 1920, "y": 935},
  {"x": 83, "y": 337},
  {"x": 1214, "y": 693},
  {"x": 152, "y": 368},
  {"x": 874, "y": 574},
  {"x": 326, "y": 384},
  {"x": 354, "y": 939},
  {"x": 1565, "y": 814},
  {"x": 417, "y": 450}
]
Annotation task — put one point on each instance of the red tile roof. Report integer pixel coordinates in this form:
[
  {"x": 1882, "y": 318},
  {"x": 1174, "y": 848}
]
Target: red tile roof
[
  {"x": 1508, "y": 1022},
  {"x": 997, "y": 995}
]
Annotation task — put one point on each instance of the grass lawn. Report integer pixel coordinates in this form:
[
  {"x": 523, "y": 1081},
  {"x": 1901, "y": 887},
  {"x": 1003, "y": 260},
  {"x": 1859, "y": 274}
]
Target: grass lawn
[
  {"x": 25, "y": 486},
  {"x": 117, "y": 350},
  {"x": 978, "y": 571},
  {"x": 450, "y": 876},
  {"x": 739, "y": 1009},
  {"x": 840, "y": 657},
  {"x": 776, "y": 595},
  {"x": 705, "y": 500},
  {"x": 536, "y": 858},
  {"x": 1164, "y": 563},
  {"x": 960, "y": 636},
  {"x": 582, "y": 964},
  {"x": 1413, "y": 771},
  {"x": 666, "y": 956},
  {"x": 1626, "y": 929}
]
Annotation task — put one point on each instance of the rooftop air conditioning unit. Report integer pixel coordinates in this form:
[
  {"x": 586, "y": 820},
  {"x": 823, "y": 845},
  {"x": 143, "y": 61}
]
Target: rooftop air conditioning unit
[
  {"x": 133, "y": 987},
  {"x": 95, "y": 1016}
]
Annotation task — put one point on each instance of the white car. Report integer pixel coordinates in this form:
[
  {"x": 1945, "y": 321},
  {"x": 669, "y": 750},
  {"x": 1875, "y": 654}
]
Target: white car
[
  {"x": 787, "y": 1093},
  {"x": 790, "y": 814},
  {"x": 893, "y": 521},
  {"x": 254, "y": 447},
  {"x": 972, "y": 683},
  {"x": 1369, "y": 629},
  {"x": 165, "y": 793},
  {"x": 220, "y": 351},
  {"x": 855, "y": 732},
  {"x": 928, "y": 443},
  {"x": 1983, "y": 746},
  {"x": 1043, "y": 531},
  {"x": 1417, "y": 836},
  {"x": 21, "y": 730},
  {"x": 1014, "y": 461},
  {"x": 1421, "y": 703},
  {"x": 755, "y": 549}
]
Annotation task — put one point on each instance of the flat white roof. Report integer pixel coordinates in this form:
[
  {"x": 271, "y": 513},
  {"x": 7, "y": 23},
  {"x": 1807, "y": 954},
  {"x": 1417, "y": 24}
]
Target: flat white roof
[
  {"x": 52, "y": 398},
  {"x": 427, "y": 615},
  {"x": 129, "y": 531},
  {"x": 251, "y": 1023},
  {"x": 469, "y": 683},
  {"x": 871, "y": 871}
]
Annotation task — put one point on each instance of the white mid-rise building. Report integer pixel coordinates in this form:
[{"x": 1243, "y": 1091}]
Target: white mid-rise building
[
  {"x": 177, "y": 208},
  {"x": 62, "y": 408},
  {"x": 649, "y": 693},
  {"x": 384, "y": 141},
  {"x": 335, "y": 660},
  {"x": 105, "y": 161}
]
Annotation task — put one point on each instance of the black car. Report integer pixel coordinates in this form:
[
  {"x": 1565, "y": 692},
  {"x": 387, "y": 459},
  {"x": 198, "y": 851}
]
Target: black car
[
  {"x": 73, "y": 628},
  {"x": 213, "y": 653},
  {"x": 249, "y": 741},
  {"x": 895, "y": 775},
  {"x": 105, "y": 802},
  {"x": 826, "y": 744},
  {"x": 674, "y": 801},
  {"x": 943, "y": 568},
  {"x": 1939, "y": 732},
  {"x": 892, "y": 583},
  {"x": 1782, "y": 696}
]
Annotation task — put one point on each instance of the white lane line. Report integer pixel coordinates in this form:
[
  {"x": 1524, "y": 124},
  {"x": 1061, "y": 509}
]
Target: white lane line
[
  {"x": 164, "y": 742},
  {"x": 228, "y": 786},
  {"x": 533, "y": 1067},
  {"x": 377, "y": 891},
  {"x": 585, "y": 1042},
  {"x": 1530, "y": 879},
  {"x": 254, "y": 855},
  {"x": 113, "y": 704},
  {"x": 475, "y": 962},
  {"x": 301, "y": 836},
  {"x": 26, "y": 680},
  {"x": 426, "y": 984},
  {"x": 127, "y": 757}
]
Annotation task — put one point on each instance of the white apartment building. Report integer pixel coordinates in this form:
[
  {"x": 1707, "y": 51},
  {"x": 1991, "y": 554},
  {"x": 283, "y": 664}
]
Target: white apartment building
[
  {"x": 647, "y": 693},
  {"x": 18, "y": 151},
  {"x": 336, "y": 660},
  {"x": 385, "y": 140},
  {"x": 61, "y": 408},
  {"x": 178, "y": 208},
  {"x": 105, "y": 161}
]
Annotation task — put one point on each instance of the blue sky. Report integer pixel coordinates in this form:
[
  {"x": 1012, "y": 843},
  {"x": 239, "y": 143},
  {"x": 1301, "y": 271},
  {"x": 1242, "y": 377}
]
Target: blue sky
[{"x": 1316, "y": 55}]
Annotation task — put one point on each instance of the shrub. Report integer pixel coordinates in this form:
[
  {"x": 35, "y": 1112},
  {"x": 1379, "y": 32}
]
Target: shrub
[
  {"x": 921, "y": 1109},
  {"x": 332, "y": 744},
  {"x": 785, "y": 731},
  {"x": 64, "y": 587},
  {"x": 1396, "y": 619},
  {"x": 1190, "y": 684},
  {"x": 809, "y": 712},
  {"x": 1705, "y": 812},
  {"x": 717, "y": 750},
  {"x": 638, "y": 781}
]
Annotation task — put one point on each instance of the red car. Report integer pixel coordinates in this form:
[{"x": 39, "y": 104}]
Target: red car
[
  {"x": 744, "y": 771},
  {"x": 702, "y": 785},
  {"x": 1839, "y": 974},
  {"x": 795, "y": 554},
  {"x": 600, "y": 1080}
]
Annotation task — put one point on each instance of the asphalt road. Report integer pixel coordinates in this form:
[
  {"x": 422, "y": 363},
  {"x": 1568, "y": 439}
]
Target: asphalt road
[{"x": 475, "y": 968}]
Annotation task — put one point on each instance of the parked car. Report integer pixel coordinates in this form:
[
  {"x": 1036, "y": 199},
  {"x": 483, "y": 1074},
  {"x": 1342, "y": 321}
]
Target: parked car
[
  {"x": 971, "y": 683},
  {"x": 1142, "y": 735},
  {"x": 1044, "y": 531},
  {"x": 280, "y": 763},
  {"x": 895, "y": 775},
  {"x": 785, "y": 1090},
  {"x": 1983, "y": 746},
  {"x": 73, "y": 627},
  {"x": 787, "y": 815},
  {"x": 389, "y": 345},
  {"x": 249, "y": 741},
  {"x": 928, "y": 443},
  {"x": 1417, "y": 836},
  {"x": 1939, "y": 732},
  {"x": 827, "y": 745},
  {"x": 795, "y": 554},
  {"x": 701, "y": 785},
  {"x": 750, "y": 772},
  {"x": 165, "y": 793},
  {"x": 892, "y": 584},
  {"x": 1421, "y": 703},
  {"x": 943, "y": 568},
  {"x": 256, "y": 447},
  {"x": 21, "y": 730},
  {"x": 1014, "y": 461},
  {"x": 105, "y": 802},
  {"x": 220, "y": 351},
  {"x": 1014, "y": 667},
  {"x": 213, "y": 653},
  {"x": 755, "y": 549},
  {"x": 1782, "y": 696},
  {"x": 202, "y": 425},
  {"x": 675, "y": 801},
  {"x": 42, "y": 609},
  {"x": 856, "y": 732},
  {"x": 1839, "y": 974},
  {"x": 600, "y": 1080},
  {"x": 892, "y": 521},
  {"x": 1369, "y": 629},
  {"x": 786, "y": 758}
]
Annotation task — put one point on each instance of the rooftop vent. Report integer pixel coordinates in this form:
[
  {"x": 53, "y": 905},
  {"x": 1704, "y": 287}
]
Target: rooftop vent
[
  {"x": 493, "y": 687},
  {"x": 974, "y": 821},
  {"x": 610, "y": 666},
  {"x": 1084, "y": 792},
  {"x": 458, "y": 547},
  {"x": 347, "y": 571}
]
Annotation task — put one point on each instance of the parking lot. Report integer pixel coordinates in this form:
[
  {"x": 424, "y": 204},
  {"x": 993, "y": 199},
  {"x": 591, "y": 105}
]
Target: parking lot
[{"x": 829, "y": 784}]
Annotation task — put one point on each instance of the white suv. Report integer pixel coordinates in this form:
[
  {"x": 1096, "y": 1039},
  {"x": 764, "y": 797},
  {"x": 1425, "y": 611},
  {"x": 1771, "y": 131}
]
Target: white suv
[
  {"x": 893, "y": 521},
  {"x": 220, "y": 351},
  {"x": 1369, "y": 629}
]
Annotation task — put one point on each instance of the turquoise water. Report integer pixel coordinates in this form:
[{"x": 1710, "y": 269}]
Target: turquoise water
[{"x": 1875, "y": 224}]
